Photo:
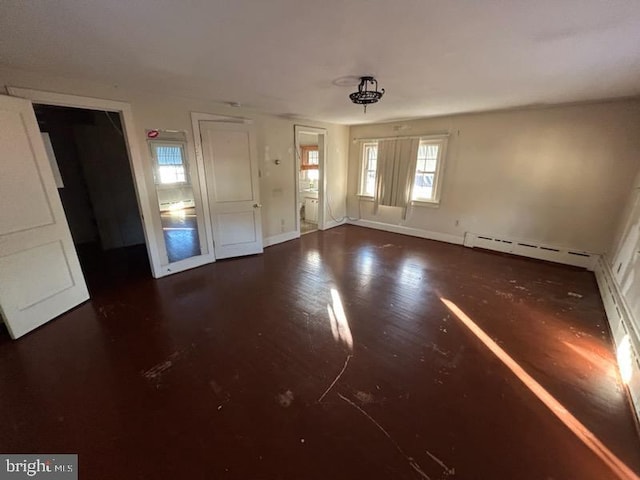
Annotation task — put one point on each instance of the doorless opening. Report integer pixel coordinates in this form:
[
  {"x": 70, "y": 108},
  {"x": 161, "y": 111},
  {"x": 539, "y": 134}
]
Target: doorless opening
[
  {"x": 89, "y": 158},
  {"x": 310, "y": 164}
]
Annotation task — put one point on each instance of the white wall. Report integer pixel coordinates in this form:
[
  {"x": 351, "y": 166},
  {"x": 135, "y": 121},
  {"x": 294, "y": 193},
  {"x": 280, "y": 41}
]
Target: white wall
[
  {"x": 557, "y": 176},
  {"x": 275, "y": 139}
]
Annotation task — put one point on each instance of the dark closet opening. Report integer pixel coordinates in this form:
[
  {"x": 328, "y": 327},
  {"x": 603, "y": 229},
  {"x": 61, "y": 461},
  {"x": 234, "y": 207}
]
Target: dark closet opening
[{"x": 95, "y": 183}]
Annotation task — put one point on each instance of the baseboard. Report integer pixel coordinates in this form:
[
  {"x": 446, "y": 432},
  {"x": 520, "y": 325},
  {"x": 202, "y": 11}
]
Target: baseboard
[
  {"x": 621, "y": 323},
  {"x": 283, "y": 237},
  {"x": 533, "y": 249},
  {"x": 332, "y": 224},
  {"x": 413, "y": 232}
]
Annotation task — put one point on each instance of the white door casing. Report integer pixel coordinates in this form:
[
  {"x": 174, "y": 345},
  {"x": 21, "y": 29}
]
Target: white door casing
[
  {"x": 322, "y": 172},
  {"x": 231, "y": 169},
  {"x": 40, "y": 275}
]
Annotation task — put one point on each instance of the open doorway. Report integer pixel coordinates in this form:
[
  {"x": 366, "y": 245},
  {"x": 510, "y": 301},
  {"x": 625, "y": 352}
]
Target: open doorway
[
  {"x": 310, "y": 152},
  {"x": 89, "y": 157},
  {"x": 309, "y": 179}
]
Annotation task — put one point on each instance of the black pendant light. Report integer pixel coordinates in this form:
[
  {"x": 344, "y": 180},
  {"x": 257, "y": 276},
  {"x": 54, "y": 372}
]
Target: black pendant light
[{"x": 364, "y": 96}]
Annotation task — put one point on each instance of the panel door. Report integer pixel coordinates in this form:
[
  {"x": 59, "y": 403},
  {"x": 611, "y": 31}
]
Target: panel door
[
  {"x": 40, "y": 275},
  {"x": 231, "y": 167}
]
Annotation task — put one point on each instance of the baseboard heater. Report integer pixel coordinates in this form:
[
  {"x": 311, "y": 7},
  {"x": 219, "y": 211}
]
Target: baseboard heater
[{"x": 577, "y": 258}]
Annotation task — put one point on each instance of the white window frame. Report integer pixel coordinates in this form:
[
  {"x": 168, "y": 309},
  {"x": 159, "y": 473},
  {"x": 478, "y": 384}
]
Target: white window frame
[
  {"x": 156, "y": 166},
  {"x": 441, "y": 141},
  {"x": 364, "y": 170}
]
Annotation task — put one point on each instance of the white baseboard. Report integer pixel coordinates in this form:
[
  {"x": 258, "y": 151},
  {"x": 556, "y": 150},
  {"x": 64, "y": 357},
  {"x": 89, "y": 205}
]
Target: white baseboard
[
  {"x": 414, "y": 232},
  {"x": 621, "y": 323},
  {"x": 533, "y": 249},
  {"x": 332, "y": 224},
  {"x": 283, "y": 237}
]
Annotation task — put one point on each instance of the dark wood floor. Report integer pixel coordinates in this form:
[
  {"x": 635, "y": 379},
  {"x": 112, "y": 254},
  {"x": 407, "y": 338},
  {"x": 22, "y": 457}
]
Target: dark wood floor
[
  {"x": 217, "y": 372},
  {"x": 180, "y": 231}
]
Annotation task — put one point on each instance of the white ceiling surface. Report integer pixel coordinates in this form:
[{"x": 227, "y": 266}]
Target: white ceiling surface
[{"x": 282, "y": 57}]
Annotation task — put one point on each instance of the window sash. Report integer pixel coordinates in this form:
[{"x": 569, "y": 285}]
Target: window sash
[
  {"x": 369, "y": 169},
  {"x": 310, "y": 157},
  {"x": 170, "y": 163},
  {"x": 426, "y": 178}
]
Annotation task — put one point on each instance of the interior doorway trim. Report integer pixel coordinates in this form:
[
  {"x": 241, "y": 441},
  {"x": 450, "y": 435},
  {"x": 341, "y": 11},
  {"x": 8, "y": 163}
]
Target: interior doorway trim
[
  {"x": 322, "y": 172},
  {"x": 135, "y": 156}
]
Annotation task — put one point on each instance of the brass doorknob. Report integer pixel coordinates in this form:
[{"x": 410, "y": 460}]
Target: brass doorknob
[{"x": 257, "y": 205}]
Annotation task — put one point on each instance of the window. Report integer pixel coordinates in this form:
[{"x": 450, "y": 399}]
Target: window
[
  {"x": 369, "y": 165},
  {"x": 170, "y": 163},
  {"x": 310, "y": 162},
  {"x": 313, "y": 157},
  {"x": 427, "y": 175},
  {"x": 426, "y": 170}
]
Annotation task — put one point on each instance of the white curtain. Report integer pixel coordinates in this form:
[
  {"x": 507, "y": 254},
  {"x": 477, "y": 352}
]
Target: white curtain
[{"x": 396, "y": 168}]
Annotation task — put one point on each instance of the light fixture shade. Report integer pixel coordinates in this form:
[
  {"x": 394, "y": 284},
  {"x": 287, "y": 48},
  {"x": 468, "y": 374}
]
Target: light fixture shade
[{"x": 364, "y": 96}]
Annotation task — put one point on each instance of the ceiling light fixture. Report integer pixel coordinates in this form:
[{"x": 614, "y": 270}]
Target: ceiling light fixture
[{"x": 364, "y": 96}]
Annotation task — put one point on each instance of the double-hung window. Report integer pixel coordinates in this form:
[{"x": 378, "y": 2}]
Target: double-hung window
[
  {"x": 170, "y": 163},
  {"x": 369, "y": 167},
  {"x": 428, "y": 166},
  {"x": 427, "y": 176}
]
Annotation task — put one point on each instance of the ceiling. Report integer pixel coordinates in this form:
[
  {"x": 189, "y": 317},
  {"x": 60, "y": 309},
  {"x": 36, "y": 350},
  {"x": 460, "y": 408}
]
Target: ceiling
[{"x": 287, "y": 57}]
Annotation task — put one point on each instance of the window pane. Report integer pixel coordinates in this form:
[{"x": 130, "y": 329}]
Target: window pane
[
  {"x": 371, "y": 183},
  {"x": 369, "y": 165},
  {"x": 171, "y": 174},
  {"x": 428, "y": 152},
  {"x": 428, "y": 165},
  {"x": 423, "y": 186},
  {"x": 168, "y": 155},
  {"x": 313, "y": 157},
  {"x": 313, "y": 174}
]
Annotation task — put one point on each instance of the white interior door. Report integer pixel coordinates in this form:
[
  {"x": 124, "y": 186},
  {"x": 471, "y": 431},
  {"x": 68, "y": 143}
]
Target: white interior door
[
  {"x": 40, "y": 276},
  {"x": 231, "y": 167}
]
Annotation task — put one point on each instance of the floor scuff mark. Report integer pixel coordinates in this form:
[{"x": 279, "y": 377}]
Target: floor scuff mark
[
  {"x": 574, "y": 294},
  {"x": 365, "y": 398},
  {"x": 346, "y": 362},
  {"x": 508, "y": 296},
  {"x": 437, "y": 350},
  {"x": 221, "y": 393},
  {"x": 156, "y": 372},
  {"x": 285, "y": 399},
  {"x": 410, "y": 460},
  {"x": 447, "y": 471}
]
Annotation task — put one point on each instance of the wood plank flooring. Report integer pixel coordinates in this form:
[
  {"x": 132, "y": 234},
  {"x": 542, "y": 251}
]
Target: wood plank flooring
[{"x": 328, "y": 357}]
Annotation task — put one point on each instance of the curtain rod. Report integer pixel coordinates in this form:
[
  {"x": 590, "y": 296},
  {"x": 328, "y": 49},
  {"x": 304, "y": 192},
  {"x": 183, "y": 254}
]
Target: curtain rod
[{"x": 426, "y": 137}]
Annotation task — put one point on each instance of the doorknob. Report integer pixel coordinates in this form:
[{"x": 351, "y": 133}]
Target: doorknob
[{"x": 257, "y": 205}]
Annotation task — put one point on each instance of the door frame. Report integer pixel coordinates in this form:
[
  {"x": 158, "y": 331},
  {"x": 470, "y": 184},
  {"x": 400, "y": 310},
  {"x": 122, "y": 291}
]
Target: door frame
[
  {"x": 196, "y": 118},
  {"x": 322, "y": 172},
  {"x": 150, "y": 221}
]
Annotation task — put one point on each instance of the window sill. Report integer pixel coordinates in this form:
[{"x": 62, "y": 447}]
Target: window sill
[
  {"x": 425, "y": 203},
  {"x": 368, "y": 198},
  {"x": 169, "y": 186}
]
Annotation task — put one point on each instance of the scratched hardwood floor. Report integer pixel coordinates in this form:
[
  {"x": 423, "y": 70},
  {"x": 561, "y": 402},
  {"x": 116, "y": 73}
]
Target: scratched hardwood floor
[{"x": 217, "y": 373}]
